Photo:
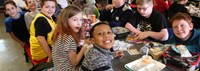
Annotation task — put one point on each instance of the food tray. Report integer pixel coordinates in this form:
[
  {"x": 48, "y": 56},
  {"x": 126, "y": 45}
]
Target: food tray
[
  {"x": 139, "y": 65},
  {"x": 120, "y": 32}
]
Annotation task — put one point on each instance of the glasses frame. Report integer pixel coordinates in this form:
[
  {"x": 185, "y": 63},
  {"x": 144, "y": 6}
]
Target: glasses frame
[{"x": 144, "y": 9}]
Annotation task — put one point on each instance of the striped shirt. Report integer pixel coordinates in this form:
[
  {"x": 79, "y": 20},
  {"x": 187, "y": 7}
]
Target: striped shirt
[{"x": 62, "y": 45}]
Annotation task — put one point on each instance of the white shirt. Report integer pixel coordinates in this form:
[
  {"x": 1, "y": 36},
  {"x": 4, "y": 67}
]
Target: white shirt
[
  {"x": 20, "y": 3},
  {"x": 62, "y": 3}
]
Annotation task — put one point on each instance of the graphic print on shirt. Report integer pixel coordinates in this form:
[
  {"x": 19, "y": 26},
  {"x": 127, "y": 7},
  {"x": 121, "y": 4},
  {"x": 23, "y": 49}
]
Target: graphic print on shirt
[{"x": 144, "y": 26}]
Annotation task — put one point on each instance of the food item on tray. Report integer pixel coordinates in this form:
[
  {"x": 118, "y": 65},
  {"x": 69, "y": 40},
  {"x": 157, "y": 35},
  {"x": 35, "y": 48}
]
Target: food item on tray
[
  {"x": 146, "y": 59},
  {"x": 156, "y": 52},
  {"x": 131, "y": 37}
]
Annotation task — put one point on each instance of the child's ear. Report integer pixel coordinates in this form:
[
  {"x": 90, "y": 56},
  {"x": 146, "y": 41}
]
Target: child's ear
[
  {"x": 92, "y": 40},
  {"x": 191, "y": 25},
  {"x": 17, "y": 8},
  {"x": 5, "y": 12}
]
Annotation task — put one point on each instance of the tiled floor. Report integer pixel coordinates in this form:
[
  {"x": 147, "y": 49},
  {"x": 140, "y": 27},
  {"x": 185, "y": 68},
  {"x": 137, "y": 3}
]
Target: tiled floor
[{"x": 11, "y": 53}]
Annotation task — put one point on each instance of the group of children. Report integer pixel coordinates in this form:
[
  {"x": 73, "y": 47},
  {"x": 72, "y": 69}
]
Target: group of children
[
  {"x": 61, "y": 43},
  {"x": 66, "y": 52}
]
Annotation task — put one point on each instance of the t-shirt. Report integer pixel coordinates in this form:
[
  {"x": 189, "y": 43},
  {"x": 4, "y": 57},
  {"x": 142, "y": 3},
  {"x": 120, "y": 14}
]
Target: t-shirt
[
  {"x": 20, "y": 3},
  {"x": 29, "y": 16},
  {"x": 62, "y": 45},
  {"x": 156, "y": 22},
  {"x": 18, "y": 27}
]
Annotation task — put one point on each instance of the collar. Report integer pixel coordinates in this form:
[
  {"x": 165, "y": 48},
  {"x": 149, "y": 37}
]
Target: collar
[{"x": 47, "y": 16}]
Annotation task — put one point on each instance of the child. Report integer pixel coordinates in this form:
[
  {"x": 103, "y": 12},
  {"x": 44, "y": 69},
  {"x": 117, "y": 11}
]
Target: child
[
  {"x": 118, "y": 13},
  {"x": 66, "y": 54},
  {"x": 184, "y": 33},
  {"x": 29, "y": 16},
  {"x": 99, "y": 58},
  {"x": 41, "y": 31},
  {"x": 15, "y": 24}
]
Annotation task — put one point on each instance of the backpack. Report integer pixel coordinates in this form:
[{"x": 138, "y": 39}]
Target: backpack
[
  {"x": 44, "y": 66},
  {"x": 174, "y": 59}
]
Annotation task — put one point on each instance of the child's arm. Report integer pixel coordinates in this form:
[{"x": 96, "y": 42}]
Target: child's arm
[
  {"x": 118, "y": 53},
  {"x": 16, "y": 39},
  {"x": 74, "y": 57},
  {"x": 45, "y": 47}
]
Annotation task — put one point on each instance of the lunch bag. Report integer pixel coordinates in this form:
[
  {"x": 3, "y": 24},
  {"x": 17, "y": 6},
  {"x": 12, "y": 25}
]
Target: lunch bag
[{"x": 172, "y": 58}]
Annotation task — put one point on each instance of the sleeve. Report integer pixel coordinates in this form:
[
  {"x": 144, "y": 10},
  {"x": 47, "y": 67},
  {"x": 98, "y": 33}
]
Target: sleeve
[
  {"x": 28, "y": 20},
  {"x": 42, "y": 27},
  {"x": 164, "y": 21},
  {"x": 133, "y": 19},
  {"x": 69, "y": 43},
  {"x": 125, "y": 17},
  {"x": 159, "y": 23},
  {"x": 8, "y": 24}
]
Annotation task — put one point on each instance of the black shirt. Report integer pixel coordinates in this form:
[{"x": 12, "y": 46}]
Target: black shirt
[{"x": 156, "y": 22}]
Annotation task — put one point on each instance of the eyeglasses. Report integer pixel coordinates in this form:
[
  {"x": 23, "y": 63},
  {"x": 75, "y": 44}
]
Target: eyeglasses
[{"x": 144, "y": 9}]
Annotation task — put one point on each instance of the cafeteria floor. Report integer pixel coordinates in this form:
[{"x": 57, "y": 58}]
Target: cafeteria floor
[{"x": 11, "y": 53}]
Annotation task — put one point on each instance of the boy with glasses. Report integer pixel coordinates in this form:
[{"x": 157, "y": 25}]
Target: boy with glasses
[{"x": 147, "y": 22}]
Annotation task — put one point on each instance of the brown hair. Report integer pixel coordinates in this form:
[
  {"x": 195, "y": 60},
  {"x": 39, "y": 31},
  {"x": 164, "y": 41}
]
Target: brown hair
[
  {"x": 9, "y": 2},
  {"x": 63, "y": 24},
  {"x": 42, "y": 2},
  {"x": 180, "y": 16}
]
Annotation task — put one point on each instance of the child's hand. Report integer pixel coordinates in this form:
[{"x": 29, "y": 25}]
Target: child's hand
[
  {"x": 109, "y": 7},
  {"x": 49, "y": 59},
  {"x": 118, "y": 53},
  {"x": 87, "y": 41}
]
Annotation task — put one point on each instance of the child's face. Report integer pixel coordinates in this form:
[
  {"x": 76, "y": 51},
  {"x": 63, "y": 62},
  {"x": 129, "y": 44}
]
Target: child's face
[
  {"x": 145, "y": 10},
  {"x": 182, "y": 29},
  {"x": 32, "y": 4},
  {"x": 75, "y": 22},
  {"x": 103, "y": 36},
  {"x": 118, "y": 3},
  {"x": 49, "y": 8},
  {"x": 11, "y": 10}
]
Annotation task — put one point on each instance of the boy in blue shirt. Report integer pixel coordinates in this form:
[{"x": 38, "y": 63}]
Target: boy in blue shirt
[{"x": 184, "y": 33}]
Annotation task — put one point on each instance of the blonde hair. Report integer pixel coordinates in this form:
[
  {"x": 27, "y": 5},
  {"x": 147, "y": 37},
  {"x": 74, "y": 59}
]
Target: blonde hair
[{"x": 142, "y": 2}]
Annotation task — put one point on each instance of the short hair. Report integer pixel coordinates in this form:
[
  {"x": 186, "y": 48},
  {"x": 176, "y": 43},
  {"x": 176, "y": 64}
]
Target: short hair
[
  {"x": 102, "y": 2},
  {"x": 93, "y": 27},
  {"x": 180, "y": 16},
  {"x": 42, "y": 2},
  {"x": 9, "y": 2},
  {"x": 142, "y": 2}
]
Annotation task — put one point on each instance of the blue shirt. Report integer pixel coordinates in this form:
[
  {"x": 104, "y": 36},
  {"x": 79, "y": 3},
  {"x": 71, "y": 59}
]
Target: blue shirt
[
  {"x": 8, "y": 22},
  {"x": 192, "y": 44}
]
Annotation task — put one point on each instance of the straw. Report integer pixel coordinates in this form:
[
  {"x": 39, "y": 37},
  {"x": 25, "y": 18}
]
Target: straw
[{"x": 147, "y": 51}]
